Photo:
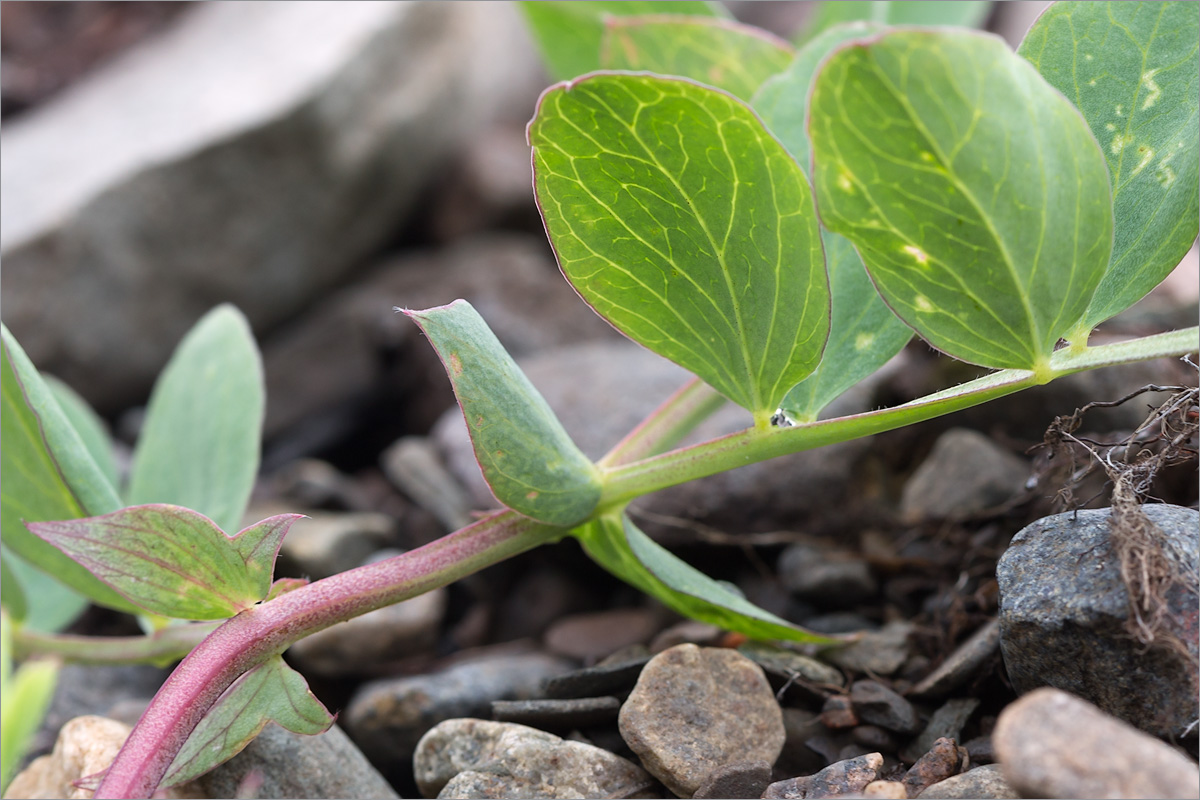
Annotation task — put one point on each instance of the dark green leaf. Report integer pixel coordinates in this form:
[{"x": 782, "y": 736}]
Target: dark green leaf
[
  {"x": 616, "y": 544},
  {"x": 173, "y": 561},
  {"x": 720, "y": 53},
  {"x": 527, "y": 458},
  {"x": 271, "y": 692},
  {"x": 199, "y": 446},
  {"x": 92, "y": 430},
  {"x": 569, "y": 34},
  {"x": 965, "y": 13},
  {"x": 34, "y": 488},
  {"x": 685, "y": 223},
  {"x": 1132, "y": 70},
  {"x": 974, "y": 192}
]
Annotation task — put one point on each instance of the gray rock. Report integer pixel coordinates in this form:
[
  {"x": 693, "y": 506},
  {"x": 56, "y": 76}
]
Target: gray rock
[
  {"x": 592, "y": 636},
  {"x": 330, "y": 542},
  {"x": 296, "y": 766},
  {"x": 466, "y": 758},
  {"x": 943, "y": 760},
  {"x": 984, "y": 783},
  {"x": 1052, "y": 744},
  {"x": 603, "y": 678},
  {"x": 962, "y": 665},
  {"x": 251, "y": 153},
  {"x": 563, "y": 715},
  {"x": 411, "y": 463},
  {"x": 880, "y": 652},
  {"x": 947, "y": 722},
  {"x": 791, "y": 666},
  {"x": 388, "y": 717},
  {"x": 845, "y": 777},
  {"x": 1063, "y": 608},
  {"x": 696, "y": 709},
  {"x": 798, "y": 758},
  {"x": 742, "y": 779},
  {"x": 878, "y": 705},
  {"x": 833, "y": 578},
  {"x": 965, "y": 474}
]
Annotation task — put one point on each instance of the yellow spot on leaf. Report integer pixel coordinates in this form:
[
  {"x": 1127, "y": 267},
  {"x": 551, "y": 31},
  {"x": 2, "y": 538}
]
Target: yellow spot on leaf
[
  {"x": 1165, "y": 175},
  {"x": 1120, "y": 142},
  {"x": 863, "y": 340},
  {"x": 1153, "y": 92},
  {"x": 926, "y": 156},
  {"x": 454, "y": 364},
  {"x": 923, "y": 304},
  {"x": 532, "y": 495},
  {"x": 1120, "y": 109},
  {"x": 920, "y": 255},
  {"x": 1147, "y": 157},
  {"x": 1087, "y": 56},
  {"x": 1108, "y": 126},
  {"x": 843, "y": 181},
  {"x": 1092, "y": 82}
]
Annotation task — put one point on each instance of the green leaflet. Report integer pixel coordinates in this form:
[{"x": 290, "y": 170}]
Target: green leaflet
[
  {"x": 173, "y": 561},
  {"x": 92, "y": 430},
  {"x": 24, "y": 697},
  {"x": 720, "y": 53},
  {"x": 54, "y": 605},
  {"x": 526, "y": 456},
  {"x": 271, "y": 692},
  {"x": 199, "y": 445},
  {"x": 1131, "y": 69},
  {"x": 974, "y": 192},
  {"x": 685, "y": 223},
  {"x": 569, "y": 34},
  {"x": 616, "y": 544},
  {"x": 36, "y": 471},
  {"x": 965, "y": 13}
]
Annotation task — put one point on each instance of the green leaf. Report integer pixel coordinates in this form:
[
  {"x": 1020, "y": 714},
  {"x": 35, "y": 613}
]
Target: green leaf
[
  {"x": 526, "y": 456},
  {"x": 34, "y": 488},
  {"x": 271, "y": 692},
  {"x": 92, "y": 430},
  {"x": 174, "y": 561},
  {"x": 965, "y": 13},
  {"x": 24, "y": 697},
  {"x": 720, "y": 53},
  {"x": 1132, "y": 70},
  {"x": 569, "y": 34},
  {"x": 616, "y": 544},
  {"x": 687, "y": 225},
  {"x": 199, "y": 446},
  {"x": 55, "y": 605},
  {"x": 974, "y": 192},
  {"x": 12, "y": 596}
]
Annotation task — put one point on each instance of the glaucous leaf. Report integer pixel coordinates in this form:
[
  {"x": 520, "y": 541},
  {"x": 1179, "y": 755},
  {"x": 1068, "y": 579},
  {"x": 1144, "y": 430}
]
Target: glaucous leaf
[
  {"x": 92, "y": 430},
  {"x": 682, "y": 221},
  {"x": 271, "y": 692},
  {"x": 718, "y": 52},
  {"x": 964, "y": 13},
  {"x": 973, "y": 191},
  {"x": 173, "y": 561},
  {"x": 37, "y": 600},
  {"x": 1132, "y": 71},
  {"x": 199, "y": 446},
  {"x": 24, "y": 697},
  {"x": 615, "y": 543},
  {"x": 569, "y": 34},
  {"x": 40, "y": 453},
  {"x": 526, "y": 456}
]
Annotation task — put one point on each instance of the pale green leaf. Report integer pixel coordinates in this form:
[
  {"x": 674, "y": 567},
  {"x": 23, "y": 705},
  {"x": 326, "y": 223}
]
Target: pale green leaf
[
  {"x": 974, "y": 192},
  {"x": 1132, "y": 70},
  {"x": 687, "y": 225},
  {"x": 37, "y": 600},
  {"x": 92, "y": 430},
  {"x": 569, "y": 34},
  {"x": 526, "y": 456},
  {"x": 24, "y": 697},
  {"x": 965, "y": 13},
  {"x": 199, "y": 447},
  {"x": 271, "y": 692},
  {"x": 615, "y": 543},
  {"x": 720, "y": 53},
  {"x": 173, "y": 561}
]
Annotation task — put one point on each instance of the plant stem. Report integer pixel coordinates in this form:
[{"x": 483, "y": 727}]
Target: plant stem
[
  {"x": 625, "y": 482},
  {"x": 268, "y": 629},
  {"x": 675, "y": 418},
  {"x": 161, "y": 647}
]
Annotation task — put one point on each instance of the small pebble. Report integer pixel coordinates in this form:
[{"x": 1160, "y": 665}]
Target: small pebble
[
  {"x": 696, "y": 709},
  {"x": 838, "y": 713},
  {"x": 980, "y": 750},
  {"x": 944, "y": 759},
  {"x": 878, "y": 705},
  {"x": 746, "y": 780},
  {"x": 962, "y": 665},
  {"x": 880, "y": 652},
  {"x": 947, "y": 721},
  {"x": 614, "y": 677},
  {"x": 590, "y": 637},
  {"x": 687, "y": 632},
  {"x": 874, "y": 738},
  {"x": 1052, "y": 744},
  {"x": 966, "y": 473},
  {"x": 981, "y": 783},
  {"x": 832, "y": 577},
  {"x": 892, "y": 790},
  {"x": 791, "y": 666},
  {"x": 844, "y": 777},
  {"x": 553, "y": 715}
]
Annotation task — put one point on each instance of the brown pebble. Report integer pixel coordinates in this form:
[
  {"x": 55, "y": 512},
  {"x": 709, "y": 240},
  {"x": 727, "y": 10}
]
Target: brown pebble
[
  {"x": 943, "y": 760},
  {"x": 744, "y": 780},
  {"x": 889, "y": 790},
  {"x": 844, "y": 777},
  {"x": 838, "y": 713}
]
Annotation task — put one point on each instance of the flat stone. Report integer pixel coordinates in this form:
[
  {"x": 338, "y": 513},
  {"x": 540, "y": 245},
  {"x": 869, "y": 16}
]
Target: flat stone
[
  {"x": 743, "y": 779},
  {"x": 984, "y": 783},
  {"x": 845, "y": 777},
  {"x": 788, "y": 665},
  {"x": 874, "y": 738},
  {"x": 880, "y": 652},
  {"x": 946, "y": 722},
  {"x": 603, "y": 678},
  {"x": 830, "y": 577},
  {"x": 878, "y": 705},
  {"x": 965, "y": 473},
  {"x": 563, "y": 715},
  {"x": 1063, "y": 611},
  {"x": 473, "y": 758},
  {"x": 1052, "y": 744},
  {"x": 943, "y": 760},
  {"x": 962, "y": 665},
  {"x": 838, "y": 712},
  {"x": 590, "y": 637},
  {"x": 696, "y": 709}
]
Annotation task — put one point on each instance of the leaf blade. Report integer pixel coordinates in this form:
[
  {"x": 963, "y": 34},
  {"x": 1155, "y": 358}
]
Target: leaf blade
[
  {"x": 965, "y": 13},
  {"x": 87, "y": 423}
]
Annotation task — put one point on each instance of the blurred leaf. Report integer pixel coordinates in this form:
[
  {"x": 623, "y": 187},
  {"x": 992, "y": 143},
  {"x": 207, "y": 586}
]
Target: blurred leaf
[
  {"x": 199, "y": 447},
  {"x": 174, "y": 561},
  {"x": 56, "y": 605},
  {"x": 964, "y": 13},
  {"x": 569, "y": 34},
  {"x": 616, "y": 544},
  {"x": 24, "y": 697},
  {"x": 92, "y": 430},
  {"x": 685, "y": 223},
  {"x": 1132, "y": 71},
  {"x": 720, "y": 53},
  {"x": 527, "y": 458},
  {"x": 973, "y": 191},
  {"x": 271, "y": 692}
]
